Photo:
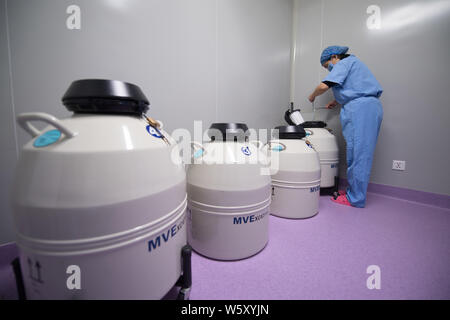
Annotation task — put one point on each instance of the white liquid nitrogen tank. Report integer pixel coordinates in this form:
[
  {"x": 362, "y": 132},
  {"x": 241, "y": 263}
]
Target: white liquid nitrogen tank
[
  {"x": 326, "y": 145},
  {"x": 99, "y": 205},
  {"x": 229, "y": 195},
  {"x": 296, "y": 183}
]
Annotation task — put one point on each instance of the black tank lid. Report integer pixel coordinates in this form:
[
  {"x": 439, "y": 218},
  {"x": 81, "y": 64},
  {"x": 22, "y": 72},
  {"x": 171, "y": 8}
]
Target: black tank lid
[
  {"x": 228, "y": 131},
  {"x": 313, "y": 124},
  {"x": 287, "y": 116},
  {"x": 105, "y": 96},
  {"x": 291, "y": 132}
]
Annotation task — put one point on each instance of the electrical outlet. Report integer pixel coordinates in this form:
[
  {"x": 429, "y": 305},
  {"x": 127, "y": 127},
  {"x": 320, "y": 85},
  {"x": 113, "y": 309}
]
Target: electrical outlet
[{"x": 398, "y": 165}]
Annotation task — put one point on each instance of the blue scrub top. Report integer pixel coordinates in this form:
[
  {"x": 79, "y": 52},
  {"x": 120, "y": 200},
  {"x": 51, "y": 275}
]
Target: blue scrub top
[{"x": 353, "y": 80}]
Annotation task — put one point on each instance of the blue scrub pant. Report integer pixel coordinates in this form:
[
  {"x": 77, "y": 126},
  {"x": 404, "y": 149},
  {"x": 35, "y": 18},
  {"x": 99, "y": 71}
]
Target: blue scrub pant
[{"x": 361, "y": 120}]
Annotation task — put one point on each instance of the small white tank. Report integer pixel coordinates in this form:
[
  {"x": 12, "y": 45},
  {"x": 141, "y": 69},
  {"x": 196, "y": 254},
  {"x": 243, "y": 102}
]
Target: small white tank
[
  {"x": 296, "y": 183},
  {"x": 98, "y": 202},
  {"x": 325, "y": 143},
  {"x": 228, "y": 189}
]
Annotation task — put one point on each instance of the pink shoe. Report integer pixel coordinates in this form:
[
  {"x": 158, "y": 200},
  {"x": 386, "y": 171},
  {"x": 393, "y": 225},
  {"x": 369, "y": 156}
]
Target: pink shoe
[
  {"x": 339, "y": 193},
  {"x": 341, "y": 199}
]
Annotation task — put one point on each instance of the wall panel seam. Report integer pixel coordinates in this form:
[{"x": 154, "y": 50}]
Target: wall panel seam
[{"x": 11, "y": 86}]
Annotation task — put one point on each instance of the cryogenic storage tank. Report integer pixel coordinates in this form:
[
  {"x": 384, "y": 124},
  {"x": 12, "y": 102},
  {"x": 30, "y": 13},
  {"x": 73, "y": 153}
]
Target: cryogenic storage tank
[
  {"x": 228, "y": 187},
  {"x": 296, "y": 183},
  {"x": 326, "y": 145},
  {"x": 99, "y": 203}
]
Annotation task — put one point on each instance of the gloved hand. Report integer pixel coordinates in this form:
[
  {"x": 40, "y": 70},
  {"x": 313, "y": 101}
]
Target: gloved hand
[{"x": 331, "y": 104}]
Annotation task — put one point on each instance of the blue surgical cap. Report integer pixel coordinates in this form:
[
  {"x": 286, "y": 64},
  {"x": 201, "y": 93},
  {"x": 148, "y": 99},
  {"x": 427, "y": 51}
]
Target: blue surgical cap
[{"x": 331, "y": 50}]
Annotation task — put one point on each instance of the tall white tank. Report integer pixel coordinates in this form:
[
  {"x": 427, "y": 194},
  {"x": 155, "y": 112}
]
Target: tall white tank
[
  {"x": 296, "y": 183},
  {"x": 228, "y": 189},
  {"x": 99, "y": 205},
  {"x": 325, "y": 143}
]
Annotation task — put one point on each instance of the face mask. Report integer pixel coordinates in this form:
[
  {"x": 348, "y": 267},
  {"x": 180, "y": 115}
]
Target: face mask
[{"x": 330, "y": 66}]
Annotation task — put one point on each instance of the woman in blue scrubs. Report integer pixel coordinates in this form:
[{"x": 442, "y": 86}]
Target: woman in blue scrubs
[{"x": 357, "y": 90}]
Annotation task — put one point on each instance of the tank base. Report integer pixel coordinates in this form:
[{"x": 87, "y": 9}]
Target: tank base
[
  {"x": 295, "y": 218},
  {"x": 184, "y": 282},
  {"x": 330, "y": 190},
  {"x": 19, "y": 279},
  {"x": 237, "y": 259}
]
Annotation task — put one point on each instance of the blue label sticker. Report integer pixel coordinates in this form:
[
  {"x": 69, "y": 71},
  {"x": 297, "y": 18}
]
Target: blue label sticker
[
  {"x": 154, "y": 132},
  {"x": 47, "y": 138},
  {"x": 246, "y": 151}
]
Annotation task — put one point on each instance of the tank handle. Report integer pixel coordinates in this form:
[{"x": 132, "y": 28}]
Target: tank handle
[
  {"x": 310, "y": 144},
  {"x": 309, "y": 132},
  {"x": 258, "y": 143},
  {"x": 24, "y": 120},
  {"x": 196, "y": 147},
  {"x": 158, "y": 124},
  {"x": 267, "y": 145}
]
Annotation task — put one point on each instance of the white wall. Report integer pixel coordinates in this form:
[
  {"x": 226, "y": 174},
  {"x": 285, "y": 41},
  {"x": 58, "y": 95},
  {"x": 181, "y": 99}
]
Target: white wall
[
  {"x": 8, "y": 155},
  {"x": 253, "y": 61},
  {"x": 408, "y": 56},
  {"x": 209, "y": 60}
]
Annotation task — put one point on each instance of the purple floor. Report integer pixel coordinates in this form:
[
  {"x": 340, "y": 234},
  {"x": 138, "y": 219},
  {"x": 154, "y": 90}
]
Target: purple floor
[{"x": 326, "y": 257}]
